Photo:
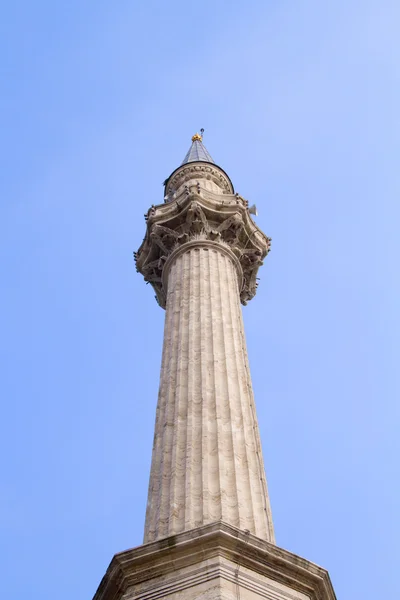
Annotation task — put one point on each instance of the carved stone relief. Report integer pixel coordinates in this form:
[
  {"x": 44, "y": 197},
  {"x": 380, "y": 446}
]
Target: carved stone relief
[{"x": 194, "y": 217}]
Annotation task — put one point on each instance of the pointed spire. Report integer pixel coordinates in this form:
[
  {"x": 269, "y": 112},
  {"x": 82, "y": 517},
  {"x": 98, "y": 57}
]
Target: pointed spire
[{"x": 197, "y": 152}]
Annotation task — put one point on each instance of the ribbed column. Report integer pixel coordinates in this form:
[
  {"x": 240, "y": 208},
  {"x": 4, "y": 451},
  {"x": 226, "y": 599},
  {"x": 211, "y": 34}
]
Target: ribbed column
[{"x": 207, "y": 463}]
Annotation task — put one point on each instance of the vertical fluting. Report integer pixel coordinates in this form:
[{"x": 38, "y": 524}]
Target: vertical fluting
[
  {"x": 207, "y": 464},
  {"x": 224, "y": 393},
  {"x": 176, "y": 476},
  {"x": 213, "y": 442}
]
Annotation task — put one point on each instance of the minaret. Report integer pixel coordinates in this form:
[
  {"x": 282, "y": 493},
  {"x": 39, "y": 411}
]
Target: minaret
[{"x": 208, "y": 530}]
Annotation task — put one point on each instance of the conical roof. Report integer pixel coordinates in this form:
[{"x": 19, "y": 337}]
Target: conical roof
[{"x": 197, "y": 151}]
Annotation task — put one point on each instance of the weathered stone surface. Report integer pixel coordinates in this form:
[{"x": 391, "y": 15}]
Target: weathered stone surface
[
  {"x": 207, "y": 461},
  {"x": 201, "y": 254},
  {"x": 214, "y": 562}
]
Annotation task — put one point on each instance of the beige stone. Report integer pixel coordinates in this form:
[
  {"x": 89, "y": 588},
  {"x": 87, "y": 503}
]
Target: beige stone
[
  {"x": 208, "y": 531},
  {"x": 207, "y": 462},
  {"x": 213, "y": 562},
  {"x": 201, "y": 253}
]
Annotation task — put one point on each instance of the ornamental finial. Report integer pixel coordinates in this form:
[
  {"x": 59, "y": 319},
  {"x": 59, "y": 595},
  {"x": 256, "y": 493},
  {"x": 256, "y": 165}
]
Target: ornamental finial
[{"x": 197, "y": 137}]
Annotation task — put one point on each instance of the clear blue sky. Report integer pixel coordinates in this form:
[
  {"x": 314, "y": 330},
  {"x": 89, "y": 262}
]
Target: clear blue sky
[{"x": 300, "y": 102}]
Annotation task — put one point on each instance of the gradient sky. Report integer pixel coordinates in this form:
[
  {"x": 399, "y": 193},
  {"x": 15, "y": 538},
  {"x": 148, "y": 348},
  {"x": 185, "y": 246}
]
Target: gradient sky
[{"x": 300, "y": 101}]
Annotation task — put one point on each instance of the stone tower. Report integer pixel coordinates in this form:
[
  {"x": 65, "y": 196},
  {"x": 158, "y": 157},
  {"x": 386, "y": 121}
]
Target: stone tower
[{"x": 208, "y": 532}]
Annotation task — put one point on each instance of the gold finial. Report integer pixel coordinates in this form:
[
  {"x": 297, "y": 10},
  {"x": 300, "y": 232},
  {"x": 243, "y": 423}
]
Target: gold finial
[{"x": 198, "y": 137}]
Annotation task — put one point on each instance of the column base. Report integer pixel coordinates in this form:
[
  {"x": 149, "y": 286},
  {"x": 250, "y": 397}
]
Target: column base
[{"x": 213, "y": 562}]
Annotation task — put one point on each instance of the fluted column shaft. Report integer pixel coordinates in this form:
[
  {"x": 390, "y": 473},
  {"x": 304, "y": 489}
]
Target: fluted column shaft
[{"x": 207, "y": 463}]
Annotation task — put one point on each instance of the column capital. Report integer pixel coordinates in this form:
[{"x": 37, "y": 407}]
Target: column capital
[{"x": 202, "y": 216}]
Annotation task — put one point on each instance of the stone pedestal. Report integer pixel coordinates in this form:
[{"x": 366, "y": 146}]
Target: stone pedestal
[{"x": 213, "y": 562}]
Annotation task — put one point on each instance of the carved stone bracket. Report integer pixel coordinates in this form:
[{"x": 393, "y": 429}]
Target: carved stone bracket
[{"x": 195, "y": 218}]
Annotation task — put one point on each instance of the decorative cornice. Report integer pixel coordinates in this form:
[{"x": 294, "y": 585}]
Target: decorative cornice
[
  {"x": 203, "y": 170},
  {"x": 198, "y": 214},
  {"x": 218, "y": 540}
]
